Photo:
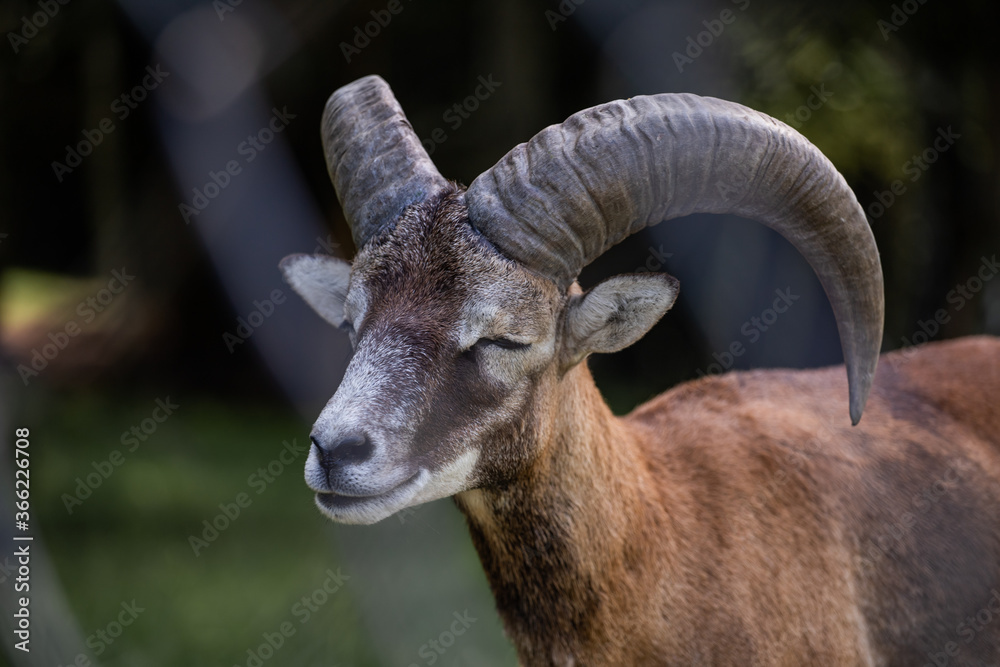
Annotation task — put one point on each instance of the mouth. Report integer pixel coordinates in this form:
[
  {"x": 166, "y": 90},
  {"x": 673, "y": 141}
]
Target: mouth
[{"x": 369, "y": 509}]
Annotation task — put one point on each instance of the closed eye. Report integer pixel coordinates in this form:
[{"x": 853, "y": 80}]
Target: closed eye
[{"x": 503, "y": 343}]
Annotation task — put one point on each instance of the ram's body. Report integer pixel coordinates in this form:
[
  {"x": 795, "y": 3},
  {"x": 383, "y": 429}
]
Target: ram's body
[
  {"x": 734, "y": 521},
  {"x": 737, "y": 520}
]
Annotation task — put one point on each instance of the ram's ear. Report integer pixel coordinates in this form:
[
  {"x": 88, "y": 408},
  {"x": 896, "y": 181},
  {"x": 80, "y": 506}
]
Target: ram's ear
[
  {"x": 322, "y": 281},
  {"x": 616, "y": 313}
]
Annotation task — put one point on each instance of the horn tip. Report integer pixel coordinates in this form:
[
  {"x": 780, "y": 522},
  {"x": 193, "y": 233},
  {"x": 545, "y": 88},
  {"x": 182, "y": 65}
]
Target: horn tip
[
  {"x": 856, "y": 411},
  {"x": 859, "y": 387}
]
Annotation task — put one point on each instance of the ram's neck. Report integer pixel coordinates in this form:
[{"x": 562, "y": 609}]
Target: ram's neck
[{"x": 566, "y": 547}]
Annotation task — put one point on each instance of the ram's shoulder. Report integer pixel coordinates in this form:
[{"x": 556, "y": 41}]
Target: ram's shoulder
[
  {"x": 749, "y": 399},
  {"x": 946, "y": 390}
]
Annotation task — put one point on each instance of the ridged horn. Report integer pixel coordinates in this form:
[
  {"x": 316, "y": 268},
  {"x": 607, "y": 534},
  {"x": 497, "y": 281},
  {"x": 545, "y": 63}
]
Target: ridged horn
[
  {"x": 557, "y": 202},
  {"x": 374, "y": 158}
]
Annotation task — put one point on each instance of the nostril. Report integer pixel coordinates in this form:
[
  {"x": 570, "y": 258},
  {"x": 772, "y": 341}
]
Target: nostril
[
  {"x": 315, "y": 443},
  {"x": 352, "y": 449}
]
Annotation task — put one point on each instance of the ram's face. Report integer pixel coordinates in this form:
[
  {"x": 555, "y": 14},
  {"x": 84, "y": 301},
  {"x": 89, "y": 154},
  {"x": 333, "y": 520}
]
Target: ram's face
[{"x": 451, "y": 344}]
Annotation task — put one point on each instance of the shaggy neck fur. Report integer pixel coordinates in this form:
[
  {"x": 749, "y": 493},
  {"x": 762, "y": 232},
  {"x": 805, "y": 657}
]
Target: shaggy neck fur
[{"x": 566, "y": 543}]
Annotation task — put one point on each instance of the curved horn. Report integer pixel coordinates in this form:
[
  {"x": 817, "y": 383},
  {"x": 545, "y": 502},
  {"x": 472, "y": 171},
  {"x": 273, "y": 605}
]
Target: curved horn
[
  {"x": 558, "y": 201},
  {"x": 375, "y": 160}
]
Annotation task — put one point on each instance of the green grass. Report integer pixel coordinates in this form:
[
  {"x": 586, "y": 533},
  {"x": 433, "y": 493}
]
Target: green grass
[{"x": 130, "y": 540}]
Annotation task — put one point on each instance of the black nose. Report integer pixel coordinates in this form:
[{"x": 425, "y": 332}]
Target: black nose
[{"x": 351, "y": 449}]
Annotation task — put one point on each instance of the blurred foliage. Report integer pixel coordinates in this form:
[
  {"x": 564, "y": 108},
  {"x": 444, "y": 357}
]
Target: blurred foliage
[
  {"x": 896, "y": 78},
  {"x": 865, "y": 125},
  {"x": 130, "y": 538}
]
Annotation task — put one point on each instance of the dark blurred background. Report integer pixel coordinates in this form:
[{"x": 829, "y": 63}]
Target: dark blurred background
[{"x": 157, "y": 160}]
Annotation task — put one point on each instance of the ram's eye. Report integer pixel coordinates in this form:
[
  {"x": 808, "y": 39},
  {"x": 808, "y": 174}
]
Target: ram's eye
[{"x": 503, "y": 343}]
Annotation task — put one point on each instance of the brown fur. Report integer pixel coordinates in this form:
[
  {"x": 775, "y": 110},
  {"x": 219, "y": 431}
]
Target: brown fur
[
  {"x": 741, "y": 520},
  {"x": 734, "y": 520}
]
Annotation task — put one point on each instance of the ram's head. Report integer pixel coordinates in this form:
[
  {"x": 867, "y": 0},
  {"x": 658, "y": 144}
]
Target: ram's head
[{"x": 462, "y": 305}]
